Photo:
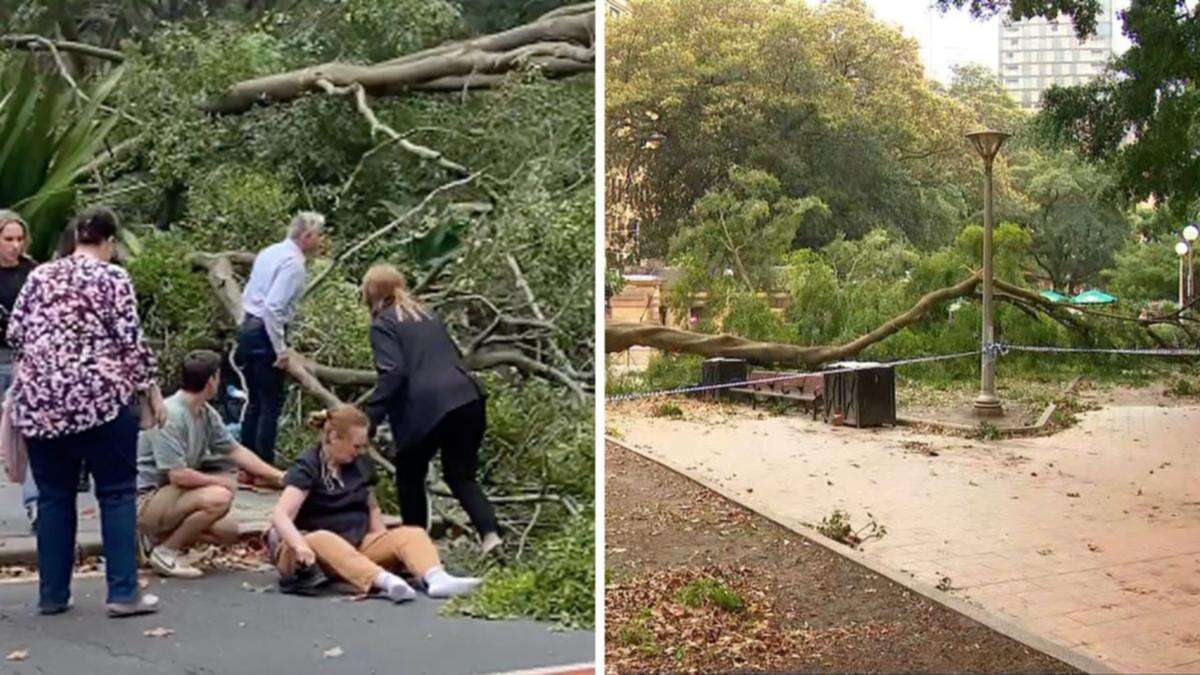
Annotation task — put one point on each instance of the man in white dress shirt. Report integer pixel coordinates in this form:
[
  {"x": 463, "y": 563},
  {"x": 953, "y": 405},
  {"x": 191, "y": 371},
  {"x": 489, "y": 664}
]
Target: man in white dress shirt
[{"x": 268, "y": 303}]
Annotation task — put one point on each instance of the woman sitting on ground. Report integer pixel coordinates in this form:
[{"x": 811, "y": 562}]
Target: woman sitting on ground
[{"x": 328, "y": 515}]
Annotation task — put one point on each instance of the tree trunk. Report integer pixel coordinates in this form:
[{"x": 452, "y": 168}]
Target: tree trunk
[
  {"x": 559, "y": 44},
  {"x": 621, "y": 335}
]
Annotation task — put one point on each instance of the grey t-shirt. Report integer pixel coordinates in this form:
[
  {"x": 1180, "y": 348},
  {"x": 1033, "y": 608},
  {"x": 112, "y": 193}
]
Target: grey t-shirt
[{"x": 185, "y": 441}]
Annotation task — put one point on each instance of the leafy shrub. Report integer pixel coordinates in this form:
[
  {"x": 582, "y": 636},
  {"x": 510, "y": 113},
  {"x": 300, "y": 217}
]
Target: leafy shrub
[
  {"x": 711, "y": 592},
  {"x": 556, "y": 584},
  {"x": 667, "y": 410},
  {"x": 668, "y": 371},
  {"x": 1184, "y": 387},
  {"x": 175, "y": 303},
  {"x": 636, "y": 633},
  {"x": 238, "y": 207}
]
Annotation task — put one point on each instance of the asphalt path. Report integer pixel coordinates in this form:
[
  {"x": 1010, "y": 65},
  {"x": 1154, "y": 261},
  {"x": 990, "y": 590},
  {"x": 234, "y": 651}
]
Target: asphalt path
[{"x": 227, "y": 623}]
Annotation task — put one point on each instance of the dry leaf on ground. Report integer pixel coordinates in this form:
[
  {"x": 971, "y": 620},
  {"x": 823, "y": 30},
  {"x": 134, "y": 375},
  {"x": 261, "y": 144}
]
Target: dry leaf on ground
[
  {"x": 159, "y": 632},
  {"x": 18, "y": 655},
  {"x": 333, "y": 652}
]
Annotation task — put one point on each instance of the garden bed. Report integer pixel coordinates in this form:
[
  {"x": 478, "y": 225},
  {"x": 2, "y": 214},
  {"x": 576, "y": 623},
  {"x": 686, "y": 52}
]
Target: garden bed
[{"x": 696, "y": 582}]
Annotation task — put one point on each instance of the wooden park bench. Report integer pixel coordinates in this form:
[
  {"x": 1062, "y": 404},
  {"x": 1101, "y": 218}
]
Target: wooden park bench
[{"x": 805, "y": 389}]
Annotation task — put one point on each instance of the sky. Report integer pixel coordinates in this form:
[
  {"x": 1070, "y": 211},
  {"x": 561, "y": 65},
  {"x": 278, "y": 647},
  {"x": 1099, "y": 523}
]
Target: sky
[{"x": 955, "y": 37}]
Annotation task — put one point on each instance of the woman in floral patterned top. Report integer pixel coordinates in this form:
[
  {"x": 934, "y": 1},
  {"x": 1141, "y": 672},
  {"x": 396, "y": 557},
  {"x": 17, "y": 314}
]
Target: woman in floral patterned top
[{"x": 80, "y": 361}]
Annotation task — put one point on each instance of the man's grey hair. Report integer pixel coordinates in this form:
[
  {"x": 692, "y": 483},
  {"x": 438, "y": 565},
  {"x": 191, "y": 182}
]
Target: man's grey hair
[
  {"x": 305, "y": 221},
  {"x": 10, "y": 216}
]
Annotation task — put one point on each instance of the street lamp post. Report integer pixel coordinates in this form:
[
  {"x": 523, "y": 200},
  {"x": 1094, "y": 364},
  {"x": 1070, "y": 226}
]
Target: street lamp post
[
  {"x": 1190, "y": 234},
  {"x": 1182, "y": 249},
  {"x": 987, "y": 144}
]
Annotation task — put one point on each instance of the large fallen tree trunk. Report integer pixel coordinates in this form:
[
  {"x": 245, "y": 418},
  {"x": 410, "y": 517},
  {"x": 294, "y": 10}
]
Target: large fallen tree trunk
[
  {"x": 621, "y": 335},
  {"x": 559, "y": 44},
  {"x": 316, "y": 379}
]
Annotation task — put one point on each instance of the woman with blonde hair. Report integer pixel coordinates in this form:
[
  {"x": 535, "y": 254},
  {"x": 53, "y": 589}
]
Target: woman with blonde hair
[
  {"x": 429, "y": 400},
  {"x": 327, "y": 520}
]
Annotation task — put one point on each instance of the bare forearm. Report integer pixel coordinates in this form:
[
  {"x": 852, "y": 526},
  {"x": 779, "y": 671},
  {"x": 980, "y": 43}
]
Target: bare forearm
[
  {"x": 375, "y": 522},
  {"x": 253, "y": 464},
  {"x": 191, "y": 478},
  {"x": 286, "y": 527}
]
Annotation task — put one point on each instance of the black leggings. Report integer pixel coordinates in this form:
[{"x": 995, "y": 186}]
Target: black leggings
[{"x": 459, "y": 435}]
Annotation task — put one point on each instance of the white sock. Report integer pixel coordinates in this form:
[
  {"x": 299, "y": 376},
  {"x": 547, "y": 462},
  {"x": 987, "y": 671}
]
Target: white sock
[
  {"x": 441, "y": 584},
  {"x": 394, "y": 587}
]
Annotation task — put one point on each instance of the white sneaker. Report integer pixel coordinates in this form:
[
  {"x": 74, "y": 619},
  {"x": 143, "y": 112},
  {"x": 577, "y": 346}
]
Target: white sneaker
[{"x": 168, "y": 565}]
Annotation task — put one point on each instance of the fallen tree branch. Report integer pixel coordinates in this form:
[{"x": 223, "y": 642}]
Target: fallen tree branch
[
  {"x": 34, "y": 43},
  {"x": 386, "y": 229},
  {"x": 565, "y": 363},
  {"x": 314, "y": 377},
  {"x": 359, "y": 94},
  {"x": 109, "y": 154},
  {"x": 621, "y": 335},
  {"x": 559, "y": 45}
]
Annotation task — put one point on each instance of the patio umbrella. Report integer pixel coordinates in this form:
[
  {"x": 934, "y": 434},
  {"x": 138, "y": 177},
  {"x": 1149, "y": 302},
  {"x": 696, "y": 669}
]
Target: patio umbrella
[
  {"x": 1093, "y": 297},
  {"x": 1053, "y": 296}
]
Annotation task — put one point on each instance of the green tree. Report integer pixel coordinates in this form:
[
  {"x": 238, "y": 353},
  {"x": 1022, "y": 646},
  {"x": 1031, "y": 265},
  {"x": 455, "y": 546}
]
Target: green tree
[
  {"x": 743, "y": 229},
  {"x": 1140, "y": 117},
  {"x": 1144, "y": 271},
  {"x": 1075, "y": 222},
  {"x": 1083, "y": 13},
  {"x": 827, "y": 99}
]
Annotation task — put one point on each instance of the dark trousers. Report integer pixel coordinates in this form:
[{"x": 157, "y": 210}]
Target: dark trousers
[
  {"x": 110, "y": 451},
  {"x": 264, "y": 384},
  {"x": 458, "y": 435}
]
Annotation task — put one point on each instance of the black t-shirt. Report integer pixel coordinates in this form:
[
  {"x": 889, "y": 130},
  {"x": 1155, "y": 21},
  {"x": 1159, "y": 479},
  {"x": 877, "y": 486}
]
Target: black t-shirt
[
  {"x": 12, "y": 279},
  {"x": 343, "y": 509}
]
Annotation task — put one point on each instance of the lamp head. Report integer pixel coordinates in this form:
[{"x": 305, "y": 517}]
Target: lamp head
[
  {"x": 1191, "y": 232},
  {"x": 1181, "y": 248},
  {"x": 987, "y": 143}
]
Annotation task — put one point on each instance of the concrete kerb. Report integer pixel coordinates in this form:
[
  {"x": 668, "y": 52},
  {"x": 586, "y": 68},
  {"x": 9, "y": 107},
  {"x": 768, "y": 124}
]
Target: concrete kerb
[
  {"x": 23, "y": 550},
  {"x": 992, "y": 620},
  {"x": 1013, "y": 432}
]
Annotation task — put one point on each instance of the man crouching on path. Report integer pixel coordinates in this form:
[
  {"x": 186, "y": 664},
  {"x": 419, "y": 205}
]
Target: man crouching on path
[{"x": 184, "y": 489}]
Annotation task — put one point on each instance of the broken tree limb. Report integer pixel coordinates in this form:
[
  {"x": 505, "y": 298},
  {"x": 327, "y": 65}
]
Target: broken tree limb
[
  {"x": 315, "y": 378},
  {"x": 559, "y": 46},
  {"x": 34, "y": 43},
  {"x": 392, "y": 225},
  {"x": 564, "y": 362},
  {"x": 621, "y": 335},
  {"x": 359, "y": 94}
]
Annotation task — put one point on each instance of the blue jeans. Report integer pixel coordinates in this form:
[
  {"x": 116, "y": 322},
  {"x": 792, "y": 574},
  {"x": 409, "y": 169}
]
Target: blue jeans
[
  {"x": 110, "y": 451},
  {"x": 264, "y": 385}
]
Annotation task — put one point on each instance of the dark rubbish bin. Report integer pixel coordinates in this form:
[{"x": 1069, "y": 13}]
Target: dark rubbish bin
[
  {"x": 721, "y": 371},
  {"x": 864, "y": 394}
]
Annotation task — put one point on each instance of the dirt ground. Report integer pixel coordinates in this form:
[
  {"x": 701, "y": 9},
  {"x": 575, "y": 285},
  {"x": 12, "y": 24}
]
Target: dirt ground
[{"x": 769, "y": 599}]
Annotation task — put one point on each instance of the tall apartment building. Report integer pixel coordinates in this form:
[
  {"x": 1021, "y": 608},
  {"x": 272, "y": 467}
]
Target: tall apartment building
[{"x": 1037, "y": 53}]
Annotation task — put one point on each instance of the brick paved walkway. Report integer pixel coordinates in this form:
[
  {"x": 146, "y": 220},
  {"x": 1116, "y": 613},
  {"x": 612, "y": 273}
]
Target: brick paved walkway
[{"x": 1090, "y": 537}]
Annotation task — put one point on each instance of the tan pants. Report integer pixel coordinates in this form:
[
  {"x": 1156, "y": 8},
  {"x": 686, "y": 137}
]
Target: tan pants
[
  {"x": 161, "y": 512},
  {"x": 403, "y": 547}
]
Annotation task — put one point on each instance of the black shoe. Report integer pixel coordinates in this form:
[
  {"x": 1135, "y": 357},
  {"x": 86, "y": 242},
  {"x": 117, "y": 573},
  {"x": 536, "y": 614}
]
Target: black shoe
[{"x": 306, "y": 580}]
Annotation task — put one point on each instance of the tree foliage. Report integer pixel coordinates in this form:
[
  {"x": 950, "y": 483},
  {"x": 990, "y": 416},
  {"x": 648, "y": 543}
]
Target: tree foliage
[
  {"x": 1140, "y": 116},
  {"x": 830, "y": 101}
]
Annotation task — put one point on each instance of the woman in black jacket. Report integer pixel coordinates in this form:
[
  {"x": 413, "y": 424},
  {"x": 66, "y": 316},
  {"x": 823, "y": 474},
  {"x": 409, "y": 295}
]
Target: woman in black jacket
[{"x": 430, "y": 402}]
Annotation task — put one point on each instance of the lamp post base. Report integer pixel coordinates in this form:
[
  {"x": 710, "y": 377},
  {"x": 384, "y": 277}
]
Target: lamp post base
[{"x": 987, "y": 405}]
